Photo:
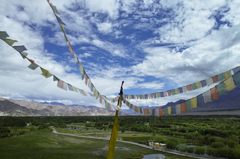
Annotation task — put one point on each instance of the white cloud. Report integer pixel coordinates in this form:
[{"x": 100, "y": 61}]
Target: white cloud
[{"x": 105, "y": 27}]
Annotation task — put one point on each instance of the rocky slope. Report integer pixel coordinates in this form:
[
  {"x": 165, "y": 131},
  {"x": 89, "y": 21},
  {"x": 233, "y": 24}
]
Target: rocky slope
[{"x": 31, "y": 108}]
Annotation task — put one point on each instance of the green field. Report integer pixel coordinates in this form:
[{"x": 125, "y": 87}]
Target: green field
[{"x": 49, "y": 145}]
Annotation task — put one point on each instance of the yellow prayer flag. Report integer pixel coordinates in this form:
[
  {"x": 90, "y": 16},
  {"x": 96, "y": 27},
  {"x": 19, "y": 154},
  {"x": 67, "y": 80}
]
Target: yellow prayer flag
[
  {"x": 169, "y": 110},
  {"x": 149, "y": 111},
  {"x": 75, "y": 89},
  {"x": 129, "y": 97},
  {"x": 158, "y": 94},
  {"x": 45, "y": 73},
  {"x": 229, "y": 84},
  {"x": 96, "y": 93},
  {"x": 176, "y": 91},
  {"x": 62, "y": 28},
  {"x": 198, "y": 84},
  {"x": 194, "y": 102},
  {"x": 143, "y": 96},
  {"x": 227, "y": 74},
  {"x": 138, "y": 109},
  {"x": 113, "y": 139},
  {"x": 10, "y": 41}
]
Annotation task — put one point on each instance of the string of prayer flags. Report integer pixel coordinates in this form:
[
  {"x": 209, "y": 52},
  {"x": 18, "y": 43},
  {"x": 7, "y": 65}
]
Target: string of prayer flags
[
  {"x": 213, "y": 94},
  {"x": 46, "y": 73},
  {"x": 10, "y": 41},
  {"x": 32, "y": 61},
  {"x": 83, "y": 74},
  {"x": 3, "y": 35}
]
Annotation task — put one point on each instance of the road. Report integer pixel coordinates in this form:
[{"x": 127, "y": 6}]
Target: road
[{"x": 133, "y": 143}]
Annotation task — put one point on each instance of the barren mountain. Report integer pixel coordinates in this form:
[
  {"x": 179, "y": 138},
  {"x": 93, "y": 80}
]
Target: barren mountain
[{"x": 31, "y": 108}]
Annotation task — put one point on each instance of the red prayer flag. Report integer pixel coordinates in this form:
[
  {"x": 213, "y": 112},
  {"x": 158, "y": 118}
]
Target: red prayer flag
[
  {"x": 60, "y": 84},
  {"x": 70, "y": 48},
  {"x": 214, "y": 93},
  {"x": 151, "y": 95},
  {"x": 215, "y": 79},
  {"x": 183, "y": 107},
  {"x": 86, "y": 79},
  {"x": 32, "y": 61},
  {"x": 100, "y": 99},
  {"x": 189, "y": 88},
  {"x": 145, "y": 111},
  {"x": 84, "y": 93},
  {"x": 169, "y": 93},
  {"x": 137, "y": 96},
  {"x": 161, "y": 111}
]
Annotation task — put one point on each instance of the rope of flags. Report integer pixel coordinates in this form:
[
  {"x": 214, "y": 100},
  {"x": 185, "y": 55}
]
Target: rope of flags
[
  {"x": 222, "y": 88},
  {"x": 60, "y": 83},
  {"x": 187, "y": 88}
]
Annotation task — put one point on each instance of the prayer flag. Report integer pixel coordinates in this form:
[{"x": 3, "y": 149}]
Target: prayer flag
[
  {"x": 23, "y": 54},
  {"x": 221, "y": 77},
  {"x": 59, "y": 20},
  {"x": 221, "y": 89},
  {"x": 169, "y": 110},
  {"x": 169, "y": 92},
  {"x": 173, "y": 109},
  {"x": 214, "y": 93},
  {"x": 215, "y": 79},
  {"x": 161, "y": 94},
  {"x": 146, "y": 96},
  {"x": 145, "y": 111},
  {"x": 45, "y": 73},
  {"x": 30, "y": 60},
  {"x": 236, "y": 69},
  {"x": 227, "y": 74},
  {"x": 138, "y": 109},
  {"x": 129, "y": 97},
  {"x": 156, "y": 112},
  {"x": 151, "y": 95},
  {"x": 143, "y": 96},
  {"x": 180, "y": 90},
  {"x": 165, "y": 111},
  {"x": 137, "y": 96},
  {"x": 55, "y": 78},
  {"x": 188, "y": 105},
  {"x": 198, "y": 84},
  {"x": 161, "y": 112},
  {"x": 189, "y": 88},
  {"x": 176, "y": 91},
  {"x": 70, "y": 48},
  {"x": 10, "y": 41},
  {"x": 20, "y": 48},
  {"x": 100, "y": 99},
  {"x": 132, "y": 97},
  {"x": 65, "y": 37},
  {"x": 60, "y": 84},
  {"x": 184, "y": 89},
  {"x": 89, "y": 84},
  {"x": 236, "y": 78},
  {"x": 207, "y": 96},
  {"x": 153, "y": 112},
  {"x": 155, "y": 95},
  {"x": 183, "y": 107},
  {"x": 54, "y": 9},
  {"x": 83, "y": 73},
  {"x": 149, "y": 111},
  {"x": 75, "y": 89},
  {"x": 70, "y": 87},
  {"x": 113, "y": 140},
  {"x": 194, "y": 86},
  {"x": 203, "y": 83},
  {"x": 141, "y": 110},
  {"x": 158, "y": 95},
  {"x": 209, "y": 81},
  {"x": 64, "y": 85},
  {"x": 200, "y": 100},
  {"x": 194, "y": 102},
  {"x": 3, "y": 35},
  {"x": 165, "y": 94},
  {"x": 62, "y": 28},
  {"x": 178, "y": 109},
  {"x": 86, "y": 79},
  {"x": 229, "y": 84},
  {"x": 33, "y": 67},
  {"x": 96, "y": 93}
]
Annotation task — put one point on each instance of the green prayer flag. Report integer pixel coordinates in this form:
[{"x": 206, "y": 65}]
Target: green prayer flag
[
  {"x": 82, "y": 71},
  {"x": 75, "y": 89},
  {"x": 3, "y": 35},
  {"x": 33, "y": 67},
  {"x": 113, "y": 139},
  {"x": 45, "y": 73},
  {"x": 23, "y": 54},
  {"x": 221, "y": 89},
  {"x": 10, "y": 41},
  {"x": 66, "y": 40},
  {"x": 221, "y": 77},
  {"x": 55, "y": 78},
  {"x": 95, "y": 93},
  {"x": 188, "y": 105}
]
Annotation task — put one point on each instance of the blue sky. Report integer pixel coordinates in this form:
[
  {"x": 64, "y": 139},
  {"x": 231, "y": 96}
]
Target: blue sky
[{"x": 152, "y": 45}]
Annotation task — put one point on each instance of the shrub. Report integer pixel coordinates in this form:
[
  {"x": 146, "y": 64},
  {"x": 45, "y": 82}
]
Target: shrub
[
  {"x": 199, "y": 150},
  {"x": 189, "y": 149},
  {"x": 217, "y": 144},
  {"x": 171, "y": 145}
]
